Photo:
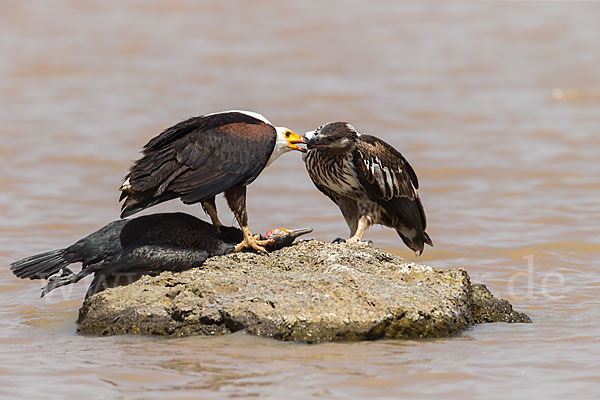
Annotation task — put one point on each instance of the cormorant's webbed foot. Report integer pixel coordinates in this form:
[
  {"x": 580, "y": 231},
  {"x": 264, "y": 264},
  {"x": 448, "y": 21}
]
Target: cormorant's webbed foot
[
  {"x": 67, "y": 277},
  {"x": 58, "y": 281}
]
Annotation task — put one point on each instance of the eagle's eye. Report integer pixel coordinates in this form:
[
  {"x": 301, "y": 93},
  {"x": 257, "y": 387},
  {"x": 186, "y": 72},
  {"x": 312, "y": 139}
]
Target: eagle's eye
[{"x": 287, "y": 134}]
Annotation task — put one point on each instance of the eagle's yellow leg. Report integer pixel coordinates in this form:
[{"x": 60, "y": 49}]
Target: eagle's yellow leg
[
  {"x": 252, "y": 242},
  {"x": 363, "y": 224},
  {"x": 211, "y": 209}
]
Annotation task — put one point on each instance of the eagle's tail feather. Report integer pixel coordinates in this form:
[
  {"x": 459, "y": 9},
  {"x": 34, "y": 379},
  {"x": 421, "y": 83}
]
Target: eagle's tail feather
[
  {"x": 411, "y": 223},
  {"x": 139, "y": 201},
  {"x": 427, "y": 239}
]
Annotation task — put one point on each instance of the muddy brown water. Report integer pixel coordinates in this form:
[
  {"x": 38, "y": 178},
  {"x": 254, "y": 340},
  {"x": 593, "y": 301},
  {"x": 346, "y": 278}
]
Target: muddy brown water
[{"x": 496, "y": 105}]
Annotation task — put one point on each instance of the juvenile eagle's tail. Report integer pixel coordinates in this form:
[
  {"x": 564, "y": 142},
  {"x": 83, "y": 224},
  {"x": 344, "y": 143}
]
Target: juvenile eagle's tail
[{"x": 412, "y": 224}]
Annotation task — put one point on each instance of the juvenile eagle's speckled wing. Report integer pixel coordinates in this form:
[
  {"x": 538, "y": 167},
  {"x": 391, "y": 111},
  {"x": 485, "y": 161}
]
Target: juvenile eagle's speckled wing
[
  {"x": 390, "y": 180},
  {"x": 383, "y": 171},
  {"x": 198, "y": 159}
]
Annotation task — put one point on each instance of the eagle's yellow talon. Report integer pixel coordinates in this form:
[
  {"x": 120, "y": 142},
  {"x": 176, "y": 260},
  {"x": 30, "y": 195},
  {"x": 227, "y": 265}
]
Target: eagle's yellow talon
[{"x": 253, "y": 242}]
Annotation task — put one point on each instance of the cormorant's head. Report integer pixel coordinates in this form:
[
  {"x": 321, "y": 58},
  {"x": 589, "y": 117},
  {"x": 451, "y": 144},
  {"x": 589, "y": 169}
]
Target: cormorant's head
[
  {"x": 334, "y": 135},
  {"x": 284, "y": 237}
]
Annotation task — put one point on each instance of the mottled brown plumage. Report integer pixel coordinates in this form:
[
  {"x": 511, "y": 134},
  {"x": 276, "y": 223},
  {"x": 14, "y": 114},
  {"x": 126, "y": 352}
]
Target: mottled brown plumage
[{"x": 369, "y": 180}]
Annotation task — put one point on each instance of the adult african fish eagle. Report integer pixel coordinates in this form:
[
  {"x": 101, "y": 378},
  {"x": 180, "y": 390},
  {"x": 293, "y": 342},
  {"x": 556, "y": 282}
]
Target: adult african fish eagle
[
  {"x": 203, "y": 156},
  {"x": 369, "y": 180}
]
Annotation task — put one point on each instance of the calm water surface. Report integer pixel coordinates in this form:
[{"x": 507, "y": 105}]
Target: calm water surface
[{"x": 496, "y": 105}]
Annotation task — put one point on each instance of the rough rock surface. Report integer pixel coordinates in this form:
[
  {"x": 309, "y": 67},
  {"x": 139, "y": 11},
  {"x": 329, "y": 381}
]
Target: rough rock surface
[
  {"x": 310, "y": 292},
  {"x": 487, "y": 308}
]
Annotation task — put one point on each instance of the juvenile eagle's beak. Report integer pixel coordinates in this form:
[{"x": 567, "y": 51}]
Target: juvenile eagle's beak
[
  {"x": 311, "y": 139},
  {"x": 293, "y": 139}
]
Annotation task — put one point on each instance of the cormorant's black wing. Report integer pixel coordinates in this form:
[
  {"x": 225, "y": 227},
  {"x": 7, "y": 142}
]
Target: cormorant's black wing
[
  {"x": 162, "y": 242},
  {"x": 176, "y": 230},
  {"x": 198, "y": 159}
]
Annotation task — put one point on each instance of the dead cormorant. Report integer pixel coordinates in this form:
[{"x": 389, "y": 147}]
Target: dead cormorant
[{"x": 122, "y": 251}]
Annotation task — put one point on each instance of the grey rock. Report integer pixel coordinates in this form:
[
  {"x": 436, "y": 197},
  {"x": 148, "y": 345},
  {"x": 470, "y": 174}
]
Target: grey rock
[
  {"x": 309, "y": 292},
  {"x": 487, "y": 308}
]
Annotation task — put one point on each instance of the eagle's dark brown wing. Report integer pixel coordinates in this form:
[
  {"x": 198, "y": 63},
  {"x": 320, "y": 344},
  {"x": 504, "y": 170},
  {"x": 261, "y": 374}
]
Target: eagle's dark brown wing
[
  {"x": 198, "y": 159},
  {"x": 390, "y": 181},
  {"x": 383, "y": 171}
]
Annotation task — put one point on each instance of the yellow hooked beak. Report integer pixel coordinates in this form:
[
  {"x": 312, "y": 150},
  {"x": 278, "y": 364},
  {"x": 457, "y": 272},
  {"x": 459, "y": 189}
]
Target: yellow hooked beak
[{"x": 293, "y": 139}]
